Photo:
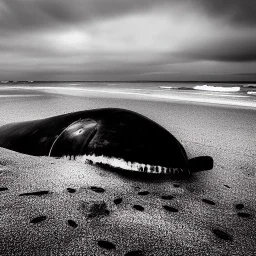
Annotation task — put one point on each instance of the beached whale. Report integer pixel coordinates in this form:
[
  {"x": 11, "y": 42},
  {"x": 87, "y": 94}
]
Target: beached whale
[{"x": 117, "y": 138}]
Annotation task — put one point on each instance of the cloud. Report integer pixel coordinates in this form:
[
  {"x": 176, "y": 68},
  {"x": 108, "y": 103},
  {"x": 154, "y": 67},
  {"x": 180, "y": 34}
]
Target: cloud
[{"x": 125, "y": 38}]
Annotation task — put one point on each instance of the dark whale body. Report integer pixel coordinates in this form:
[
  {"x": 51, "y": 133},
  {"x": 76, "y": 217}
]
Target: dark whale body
[{"x": 132, "y": 140}]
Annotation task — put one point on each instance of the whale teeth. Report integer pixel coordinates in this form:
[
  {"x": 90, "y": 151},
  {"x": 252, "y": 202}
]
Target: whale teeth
[{"x": 132, "y": 166}]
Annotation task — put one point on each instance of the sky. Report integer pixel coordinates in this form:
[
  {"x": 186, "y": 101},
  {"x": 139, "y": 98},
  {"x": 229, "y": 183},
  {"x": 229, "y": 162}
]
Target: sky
[{"x": 124, "y": 40}]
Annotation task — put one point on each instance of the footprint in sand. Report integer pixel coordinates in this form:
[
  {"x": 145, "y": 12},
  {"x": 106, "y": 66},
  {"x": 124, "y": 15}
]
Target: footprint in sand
[
  {"x": 138, "y": 207},
  {"x": 207, "y": 201},
  {"x": 37, "y": 193},
  {"x": 106, "y": 245},
  {"x": 134, "y": 253},
  {"x": 3, "y": 189},
  {"x": 239, "y": 206},
  {"x": 97, "y": 189},
  {"x": 38, "y": 219},
  {"x": 72, "y": 224},
  {"x": 71, "y": 190},
  {"x": 118, "y": 200},
  {"x": 167, "y": 197},
  {"x": 243, "y": 214},
  {"x": 170, "y": 209},
  {"x": 143, "y": 193},
  {"x": 221, "y": 234}
]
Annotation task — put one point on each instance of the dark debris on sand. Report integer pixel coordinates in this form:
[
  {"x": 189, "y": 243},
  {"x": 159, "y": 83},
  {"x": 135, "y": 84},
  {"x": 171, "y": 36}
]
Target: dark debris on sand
[
  {"x": 239, "y": 206},
  {"x": 71, "y": 190},
  {"x": 207, "y": 201},
  {"x": 106, "y": 245},
  {"x": 118, "y": 200},
  {"x": 134, "y": 253},
  {"x": 3, "y": 189},
  {"x": 170, "y": 208},
  {"x": 138, "y": 207},
  {"x": 243, "y": 214},
  {"x": 72, "y": 224},
  {"x": 167, "y": 197},
  {"x": 143, "y": 193},
  {"x": 221, "y": 234},
  {"x": 98, "y": 209},
  {"x": 97, "y": 189},
  {"x": 38, "y": 219},
  {"x": 37, "y": 193}
]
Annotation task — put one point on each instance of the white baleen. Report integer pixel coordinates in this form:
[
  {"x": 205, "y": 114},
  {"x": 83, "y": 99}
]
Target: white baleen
[{"x": 131, "y": 166}]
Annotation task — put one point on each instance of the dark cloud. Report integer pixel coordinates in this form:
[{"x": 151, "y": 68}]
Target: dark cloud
[
  {"x": 238, "y": 11},
  {"x": 43, "y": 14},
  {"x": 225, "y": 50},
  {"x": 126, "y": 38}
]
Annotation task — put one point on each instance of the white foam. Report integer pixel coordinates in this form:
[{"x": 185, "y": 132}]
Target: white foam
[
  {"x": 166, "y": 87},
  {"x": 144, "y": 95},
  {"x": 217, "y": 88},
  {"x": 251, "y": 92}
]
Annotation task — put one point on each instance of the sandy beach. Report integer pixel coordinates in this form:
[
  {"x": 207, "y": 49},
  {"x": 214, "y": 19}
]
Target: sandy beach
[{"x": 86, "y": 210}]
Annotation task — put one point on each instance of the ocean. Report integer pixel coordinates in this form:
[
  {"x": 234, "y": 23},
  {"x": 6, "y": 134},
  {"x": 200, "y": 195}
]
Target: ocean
[{"x": 233, "y": 94}]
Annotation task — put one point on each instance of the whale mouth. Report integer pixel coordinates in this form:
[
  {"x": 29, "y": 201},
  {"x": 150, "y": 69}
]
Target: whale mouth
[{"x": 119, "y": 163}]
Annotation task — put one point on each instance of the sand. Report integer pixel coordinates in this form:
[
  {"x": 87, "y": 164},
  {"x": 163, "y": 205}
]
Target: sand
[{"x": 82, "y": 209}]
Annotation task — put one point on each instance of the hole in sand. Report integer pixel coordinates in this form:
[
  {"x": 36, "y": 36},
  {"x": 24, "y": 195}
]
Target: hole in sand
[
  {"x": 239, "y": 206},
  {"x": 106, "y": 245},
  {"x": 170, "y": 208},
  {"x": 36, "y": 193},
  {"x": 243, "y": 214},
  {"x": 167, "y": 197},
  {"x": 134, "y": 253},
  {"x": 71, "y": 190},
  {"x": 38, "y": 219},
  {"x": 207, "y": 201},
  {"x": 97, "y": 189},
  {"x": 221, "y": 234},
  {"x": 118, "y": 200},
  {"x": 98, "y": 209},
  {"x": 143, "y": 193},
  {"x": 72, "y": 223},
  {"x": 138, "y": 207}
]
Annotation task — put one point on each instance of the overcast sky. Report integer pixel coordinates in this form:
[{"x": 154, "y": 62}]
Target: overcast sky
[{"x": 128, "y": 40}]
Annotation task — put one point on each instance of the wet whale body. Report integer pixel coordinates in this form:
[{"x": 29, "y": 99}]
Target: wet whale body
[{"x": 116, "y": 138}]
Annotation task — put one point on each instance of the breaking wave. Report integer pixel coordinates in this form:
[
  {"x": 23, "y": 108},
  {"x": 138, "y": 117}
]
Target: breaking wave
[
  {"x": 217, "y": 88},
  {"x": 252, "y": 92}
]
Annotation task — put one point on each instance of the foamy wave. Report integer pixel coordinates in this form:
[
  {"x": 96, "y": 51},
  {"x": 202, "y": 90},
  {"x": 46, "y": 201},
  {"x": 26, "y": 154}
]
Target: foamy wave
[
  {"x": 217, "y": 88},
  {"x": 252, "y": 92},
  {"x": 165, "y": 87}
]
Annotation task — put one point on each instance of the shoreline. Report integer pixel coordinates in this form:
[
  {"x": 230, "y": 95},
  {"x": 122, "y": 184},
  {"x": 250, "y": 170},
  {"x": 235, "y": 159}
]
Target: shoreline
[{"x": 195, "y": 96}]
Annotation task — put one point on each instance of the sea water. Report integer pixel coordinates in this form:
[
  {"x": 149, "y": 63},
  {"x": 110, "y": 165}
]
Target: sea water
[{"x": 236, "y": 94}]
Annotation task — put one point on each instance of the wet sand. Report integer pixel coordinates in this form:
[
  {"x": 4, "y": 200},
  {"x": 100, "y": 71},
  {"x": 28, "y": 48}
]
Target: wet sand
[{"x": 79, "y": 209}]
